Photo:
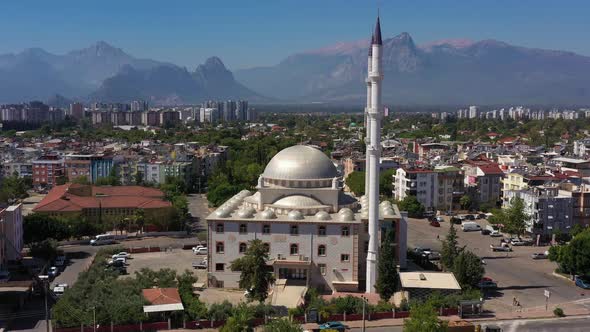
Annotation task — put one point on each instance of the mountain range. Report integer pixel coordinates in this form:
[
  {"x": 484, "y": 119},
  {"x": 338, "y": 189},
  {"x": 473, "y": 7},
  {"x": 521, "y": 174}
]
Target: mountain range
[
  {"x": 106, "y": 73},
  {"x": 445, "y": 72}
]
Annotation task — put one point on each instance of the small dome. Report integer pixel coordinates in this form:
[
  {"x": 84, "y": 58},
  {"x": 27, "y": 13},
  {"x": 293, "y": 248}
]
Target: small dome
[
  {"x": 300, "y": 162},
  {"x": 388, "y": 212},
  {"x": 268, "y": 214},
  {"x": 385, "y": 203},
  {"x": 345, "y": 211},
  {"x": 295, "y": 215},
  {"x": 322, "y": 215},
  {"x": 347, "y": 216},
  {"x": 297, "y": 201},
  {"x": 222, "y": 212},
  {"x": 247, "y": 212}
]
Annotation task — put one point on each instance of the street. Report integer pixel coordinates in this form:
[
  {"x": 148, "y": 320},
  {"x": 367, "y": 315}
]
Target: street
[{"x": 517, "y": 274}]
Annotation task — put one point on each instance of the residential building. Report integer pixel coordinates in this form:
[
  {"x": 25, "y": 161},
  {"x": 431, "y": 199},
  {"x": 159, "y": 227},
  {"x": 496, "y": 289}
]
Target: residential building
[
  {"x": 422, "y": 183},
  {"x": 100, "y": 166},
  {"x": 11, "y": 234},
  {"x": 483, "y": 181},
  {"x": 77, "y": 165},
  {"x": 46, "y": 170}
]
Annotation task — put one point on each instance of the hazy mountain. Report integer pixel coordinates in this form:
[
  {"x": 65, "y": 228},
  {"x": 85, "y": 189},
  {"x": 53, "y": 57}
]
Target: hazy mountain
[
  {"x": 169, "y": 84},
  {"x": 104, "y": 72},
  {"x": 442, "y": 72}
]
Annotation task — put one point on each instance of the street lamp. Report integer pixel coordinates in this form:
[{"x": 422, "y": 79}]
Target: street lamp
[
  {"x": 364, "y": 304},
  {"x": 45, "y": 280}
]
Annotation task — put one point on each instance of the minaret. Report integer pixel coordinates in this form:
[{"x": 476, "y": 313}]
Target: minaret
[
  {"x": 374, "y": 154},
  {"x": 367, "y": 137}
]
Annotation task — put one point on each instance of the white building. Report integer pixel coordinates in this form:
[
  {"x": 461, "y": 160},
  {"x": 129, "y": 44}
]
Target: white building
[
  {"x": 316, "y": 235},
  {"x": 11, "y": 234}
]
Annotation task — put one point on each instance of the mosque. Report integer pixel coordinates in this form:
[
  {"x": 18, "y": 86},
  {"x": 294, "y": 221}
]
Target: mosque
[{"x": 316, "y": 234}]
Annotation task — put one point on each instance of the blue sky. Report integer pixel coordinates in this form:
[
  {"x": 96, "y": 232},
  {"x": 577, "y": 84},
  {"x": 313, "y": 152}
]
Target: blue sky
[{"x": 262, "y": 32}]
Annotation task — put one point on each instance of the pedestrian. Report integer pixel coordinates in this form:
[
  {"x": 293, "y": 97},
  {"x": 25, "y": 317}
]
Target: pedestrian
[{"x": 514, "y": 301}]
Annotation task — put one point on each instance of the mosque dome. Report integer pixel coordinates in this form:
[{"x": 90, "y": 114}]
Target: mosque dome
[
  {"x": 300, "y": 162},
  {"x": 296, "y": 201}
]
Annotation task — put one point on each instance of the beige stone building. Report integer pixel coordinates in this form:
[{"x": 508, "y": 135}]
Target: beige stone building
[{"x": 316, "y": 234}]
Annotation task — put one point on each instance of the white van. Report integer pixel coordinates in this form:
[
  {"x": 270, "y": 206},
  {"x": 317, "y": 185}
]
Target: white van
[
  {"x": 494, "y": 230},
  {"x": 469, "y": 226},
  {"x": 102, "y": 239}
]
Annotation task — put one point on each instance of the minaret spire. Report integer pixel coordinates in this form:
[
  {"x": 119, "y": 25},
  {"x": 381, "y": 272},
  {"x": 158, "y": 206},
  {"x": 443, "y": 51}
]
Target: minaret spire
[{"x": 374, "y": 114}]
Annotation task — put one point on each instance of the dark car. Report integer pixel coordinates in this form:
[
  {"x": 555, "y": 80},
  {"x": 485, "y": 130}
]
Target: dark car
[
  {"x": 487, "y": 284},
  {"x": 469, "y": 217},
  {"x": 583, "y": 282},
  {"x": 485, "y": 231},
  {"x": 455, "y": 220},
  {"x": 482, "y": 216},
  {"x": 333, "y": 326}
]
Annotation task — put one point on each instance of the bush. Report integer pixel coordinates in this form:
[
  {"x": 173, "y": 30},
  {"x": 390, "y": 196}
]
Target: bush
[{"x": 558, "y": 312}]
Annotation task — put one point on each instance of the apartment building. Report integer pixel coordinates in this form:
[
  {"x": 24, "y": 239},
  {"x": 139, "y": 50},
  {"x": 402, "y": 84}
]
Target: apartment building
[
  {"x": 46, "y": 170},
  {"x": 11, "y": 234}
]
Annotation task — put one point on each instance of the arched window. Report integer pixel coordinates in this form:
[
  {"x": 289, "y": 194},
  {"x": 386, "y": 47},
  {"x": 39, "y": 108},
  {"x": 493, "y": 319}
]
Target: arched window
[
  {"x": 243, "y": 247},
  {"x": 322, "y": 231},
  {"x": 265, "y": 229},
  {"x": 219, "y": 248},
  {"x": 321, "y": 250},
  {"x": 243, "y": 228},
  {"x": 294, "y": 230},
  {"x": 219, "y": 227},
  {"x": 294, "y": 249}
]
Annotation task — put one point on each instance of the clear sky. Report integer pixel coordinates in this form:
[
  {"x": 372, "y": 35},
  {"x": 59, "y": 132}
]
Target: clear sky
[{"x": 248, "y": 33}]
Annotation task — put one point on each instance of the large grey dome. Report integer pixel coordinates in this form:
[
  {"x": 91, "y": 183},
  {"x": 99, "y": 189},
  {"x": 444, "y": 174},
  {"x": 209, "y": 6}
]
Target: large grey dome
[{"x": 300, "y": 162}]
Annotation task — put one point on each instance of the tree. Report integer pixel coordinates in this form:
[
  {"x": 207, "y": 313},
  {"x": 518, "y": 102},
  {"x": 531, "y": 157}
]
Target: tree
[
  {"x": 254, "y": 273},
  {"x": 517, "y": 218},
  {"x": 355, "y": 182},
  {"x": 423, "y": 318},
  {"x": 450, "y": 248},
  {"x": 386, "y": 266},
  {"x": 410, "y": 204},
  {"x": 46, "y": 249},
  {"x": 573, "y": 258},
  {"x": 468, "y": 269},
  {"x": 386, "y": 182},
  {"x": 577, "y": 229},
  {"x": 139, "y": 218},
  {"x": 240, "y": 320},
  {"x": 282, "y": 325},
  {"x": 465, "y": 202},
  {"x": 139, "y": 178},
  {"x": 82, "y": 179}
]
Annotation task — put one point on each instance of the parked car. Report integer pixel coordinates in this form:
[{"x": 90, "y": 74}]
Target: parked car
[
  {"x": 122, "y": 254},
  {"x": 420, "y": 250},
  {"x": 201, "y": 251},
  {"x": 200, "y": 265},
  {"x": 59, "y": 289},
  {"x": 333, "y": 326},
  {"x": 481, "y": 216},
  {"x": 449, "y": 213},
  {"x": 469, "y": 217},
  {"x": 539, "y": 255},
  {"x": 60, "y": 261},
  {"x": 440, "y": 219},
  {"x": 487, "y": 284},
  {"x": 53, "y": 272},
  {"x": 116, "y": 263},
  {"x": 583, "y": 282},
  {"x": 434, "y": 223},
  {"x": 517, "y": 242},
  {"x": 197, "y": 248},
  {"x": 500, "y": 248},
  {"x": 468, "y": 226},
  {"x": 434, "y": 256},
  {"x": 485, "y": 231},
  {"x": 455, "y": 220},
  {"x": 4, "y": 276}
]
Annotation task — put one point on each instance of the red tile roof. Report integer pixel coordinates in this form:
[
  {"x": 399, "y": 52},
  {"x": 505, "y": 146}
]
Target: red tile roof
[
  {"x": 60, "y": 199},
  {"x": 159, "y": 296},
  {"x": 490, "y": 169}
]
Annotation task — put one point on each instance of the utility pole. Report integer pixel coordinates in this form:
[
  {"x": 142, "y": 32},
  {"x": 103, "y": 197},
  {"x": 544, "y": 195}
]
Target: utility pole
[
  {"x": 364, "y": 303},
  {"x": 94, "y": 318},
  {"x": 45, "y": 280}
]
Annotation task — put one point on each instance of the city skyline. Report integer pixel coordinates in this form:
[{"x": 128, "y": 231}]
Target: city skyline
[{"x": 186, "y": 34}]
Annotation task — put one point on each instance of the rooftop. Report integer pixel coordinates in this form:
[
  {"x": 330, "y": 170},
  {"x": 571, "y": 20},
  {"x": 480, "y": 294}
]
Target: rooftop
[{"x": 429, "y": 280}]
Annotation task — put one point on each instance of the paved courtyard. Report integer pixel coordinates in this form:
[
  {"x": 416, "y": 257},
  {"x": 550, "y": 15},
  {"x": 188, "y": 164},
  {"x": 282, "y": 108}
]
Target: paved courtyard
[{"x": 517, "y": 274}]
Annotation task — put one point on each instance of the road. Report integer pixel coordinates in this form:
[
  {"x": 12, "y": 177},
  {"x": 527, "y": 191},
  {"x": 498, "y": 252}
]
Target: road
[
  {"x": 516, "y": 273},
  {"x": 521, "y": 325}
]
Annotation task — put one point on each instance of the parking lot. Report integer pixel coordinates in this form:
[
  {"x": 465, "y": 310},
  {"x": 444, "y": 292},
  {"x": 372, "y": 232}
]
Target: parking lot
[
  {"x": 516, "y": 273},
  {"x": 178, "y": 260}
]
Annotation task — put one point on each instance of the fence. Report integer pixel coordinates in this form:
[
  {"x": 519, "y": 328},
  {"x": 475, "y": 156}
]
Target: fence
[{"x": 256, "y": 322}]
